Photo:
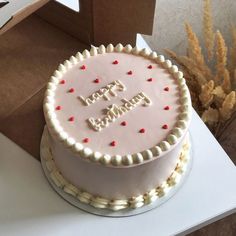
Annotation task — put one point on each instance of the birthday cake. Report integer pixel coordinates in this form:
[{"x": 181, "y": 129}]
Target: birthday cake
[{"x": 117, "y": 119}]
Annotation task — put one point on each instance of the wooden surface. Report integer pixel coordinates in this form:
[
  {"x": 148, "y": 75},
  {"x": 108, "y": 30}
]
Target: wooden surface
[
  {"x": 29, "y": 54},
  {"x": 228, "y": 141}
]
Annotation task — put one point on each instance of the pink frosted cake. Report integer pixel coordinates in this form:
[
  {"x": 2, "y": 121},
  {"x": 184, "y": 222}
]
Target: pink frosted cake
[{"x": 117, "y": 119}]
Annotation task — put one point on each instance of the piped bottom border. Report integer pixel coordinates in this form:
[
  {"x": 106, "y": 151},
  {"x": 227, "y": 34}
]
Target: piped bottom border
[{"x": 114, "y": 208}]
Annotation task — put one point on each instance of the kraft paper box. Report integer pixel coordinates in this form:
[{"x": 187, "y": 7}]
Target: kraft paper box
[{"x": 35, "y": 36}]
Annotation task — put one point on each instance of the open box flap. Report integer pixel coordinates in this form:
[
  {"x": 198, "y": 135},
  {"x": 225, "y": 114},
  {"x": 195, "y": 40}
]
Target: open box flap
[
  {"x": 102, "y": 22},
  {"x": 15, "y": 11}
]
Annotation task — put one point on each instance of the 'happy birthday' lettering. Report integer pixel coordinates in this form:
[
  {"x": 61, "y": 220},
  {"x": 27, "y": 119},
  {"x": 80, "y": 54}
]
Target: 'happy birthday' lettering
[
  {"x": 114, "y": 111},
  {"x": 105, "y": 92}
]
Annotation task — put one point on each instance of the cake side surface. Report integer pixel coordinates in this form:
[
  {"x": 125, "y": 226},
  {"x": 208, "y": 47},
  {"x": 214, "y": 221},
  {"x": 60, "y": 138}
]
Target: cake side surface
[
  {"x": 158, "y": 194},
  {"x": 111, "y": 182}
]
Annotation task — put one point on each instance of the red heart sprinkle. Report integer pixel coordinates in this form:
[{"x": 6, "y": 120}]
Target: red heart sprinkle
[
  {"x": 71, "y": 90},
  {"x": 113, "y": 143},
  {"x": 63, "y": 81},
  {"x": 115, "y": 62},
  {"x": 130, "y": 72},
  {"x": 86, "y": 140},
  {"x": 165, "y": 126},
  {"x": 150, "y": 79},
  {"x": 72, "y": 118},
  {"x": 166, "y": 108},
  {"x": 142, "y": 131},
  {"x": 123, "y": 123},
  {"x": 96, "y": 81},
  {"x": 83, "y": 67},
  {"x": 150, "y": 67},
  {"x": 58, "y": 108},
  {"x": 166, "y": 89}
]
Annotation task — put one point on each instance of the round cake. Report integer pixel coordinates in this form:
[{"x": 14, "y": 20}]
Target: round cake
[{"x": 117, "y": 119}]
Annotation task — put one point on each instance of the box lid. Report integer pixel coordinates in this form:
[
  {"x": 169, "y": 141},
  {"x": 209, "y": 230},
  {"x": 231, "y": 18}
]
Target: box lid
[{"x": 14, "y": 11}]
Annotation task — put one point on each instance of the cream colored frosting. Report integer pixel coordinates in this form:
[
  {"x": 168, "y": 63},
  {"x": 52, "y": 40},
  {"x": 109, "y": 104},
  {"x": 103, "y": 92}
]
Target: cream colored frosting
[{"x": 130, "y": 146}]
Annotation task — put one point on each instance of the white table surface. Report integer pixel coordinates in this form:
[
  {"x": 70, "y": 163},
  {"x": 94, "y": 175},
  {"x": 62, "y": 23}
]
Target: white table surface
[{"x": 29, "y": 206}]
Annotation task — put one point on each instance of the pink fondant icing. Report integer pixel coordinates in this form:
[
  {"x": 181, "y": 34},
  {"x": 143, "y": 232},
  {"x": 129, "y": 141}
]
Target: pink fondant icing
[{"x": 104, "y": 69}]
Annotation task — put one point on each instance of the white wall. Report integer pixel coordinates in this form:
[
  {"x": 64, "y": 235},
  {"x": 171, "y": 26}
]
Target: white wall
[{"x": 170, "y": 16}]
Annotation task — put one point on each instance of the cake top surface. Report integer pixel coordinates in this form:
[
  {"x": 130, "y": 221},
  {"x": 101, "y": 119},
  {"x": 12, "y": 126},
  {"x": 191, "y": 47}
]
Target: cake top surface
[{"x": 118, "y": 105}]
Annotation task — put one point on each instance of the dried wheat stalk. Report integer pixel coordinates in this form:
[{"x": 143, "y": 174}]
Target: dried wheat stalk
[
  {"x": 232, "y": 64},
  {"x": 219, "y": 96},
  {"x": 226, "y": 84},
  {"x": 228, "y": 106},
  {"x": 208, "y": 29},
  {"x": 206, "y": 96},
  {"x": 191, "y": 66},
  {"x": 195, "y": 52},
  {"x": 221, "y": 61},
  {"x": 234, "y": 78},
  {"x": 210, "y": 116}
]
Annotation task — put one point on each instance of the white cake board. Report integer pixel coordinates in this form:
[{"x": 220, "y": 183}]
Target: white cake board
[{"x": 106, "y": 212}]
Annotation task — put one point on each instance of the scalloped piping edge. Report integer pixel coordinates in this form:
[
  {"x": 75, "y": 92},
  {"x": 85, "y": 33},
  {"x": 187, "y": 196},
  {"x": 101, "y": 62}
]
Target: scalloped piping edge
[
  {"x": 117, "y": 160},
  {"x": 118, "y": 204}
]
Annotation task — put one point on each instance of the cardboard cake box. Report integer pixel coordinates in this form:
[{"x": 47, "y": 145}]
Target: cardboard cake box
[{"x": 46, "y": 33}]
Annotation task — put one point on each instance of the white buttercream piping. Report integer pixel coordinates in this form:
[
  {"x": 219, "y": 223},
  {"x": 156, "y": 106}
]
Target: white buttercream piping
[
  {"x": 145, "y": 52},
  {"x": 128, "y": 48},
  {"x": 93, "y": 51},
  {"x": 116, "y": 160},
  {"x": 174, "y": 69},
  {"x": 135, "y": 50},
  {"x": 67, "y": 64},
  {"x": 101, "y": 49},
  {"x": 156, "y": 151},
  {"x": 160, "y": 59},
  {"x": 86, "y": 53},
  {"x": 73, "y": 60},
  {"x": 127, "y": 160},
  {"x": 167, "y": 64},
  {"x": 79, "y": 56},
  {"x": 137, "y": 158},
  {"x": 116, "y": 204},
  {"x": 110, "y": 48},
  {"x": 105, "y": 159},
  {"x": 119, "y": 47},
  {"x": 153, "y": 55},
  {"x": 54, "y": 80}
]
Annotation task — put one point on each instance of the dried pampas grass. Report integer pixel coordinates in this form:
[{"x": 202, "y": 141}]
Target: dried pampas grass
[
  {"x": 206, "y": 96},
  {"x": 228, "y": 106},
  {"x": 232, "y": 65},
  {"x": 212, "y": 91},
  {"x": 211, "y": 116},
  {"x": 195, "y": 52},
  {"x": 208, "y": 29}
]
